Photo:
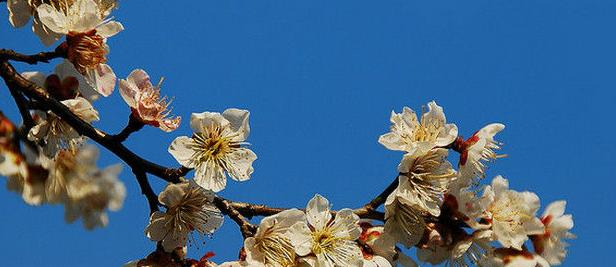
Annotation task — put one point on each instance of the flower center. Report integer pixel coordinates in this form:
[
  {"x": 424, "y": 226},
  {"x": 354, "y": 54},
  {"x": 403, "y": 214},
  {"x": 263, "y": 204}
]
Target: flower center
[
  {"x": 86, "y": 50},
  {"x": 426, "y": 131},
  {"x": 211, "y": 144},
  {"x": 323, "y": 241}
]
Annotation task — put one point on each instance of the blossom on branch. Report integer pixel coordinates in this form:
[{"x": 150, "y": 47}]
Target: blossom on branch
[
  {"x": 550, "y": 244},
  {"x": 216, "y": 147},
  {"x": 476, "y": 150},
  {"x": 145, "y": 101},
  {"x": 410, "y": 135},
  {"x": 86, "y": 30},
  {"x": 189, "y": 208},
  {"x": 65, "y": 83},
  {"x": 332, "y": 240}
]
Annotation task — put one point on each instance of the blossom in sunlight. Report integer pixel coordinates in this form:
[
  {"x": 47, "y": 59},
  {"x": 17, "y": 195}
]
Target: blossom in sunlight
[
  {"x": 216, "y": 147},
  {"x": 457, "y": 248},
  {"x": 92, "y": 195},
  {"x": 410, "y": 135},
  {"x": 271, "y": 245},
  {"x": 476, "y": 150},
  {"x": 189, "y": 208},
  {"x": 145, "y": 101},
  {"x": 403, "y": 219},
  {"x": 508, "y": 257},
  {"x": 379, "y": 249},
  {"x": 511, "y": 213},
  {"x": 86, "y": 30},
  {"x": 55, "y": 134},
  {"x": 424, "y": 179},
  {"x": 20, "y": 12},
  {"x": 65, "y": 83},
  {"x": 332, "y": 241},
  {"x": 550, "y": 244}
]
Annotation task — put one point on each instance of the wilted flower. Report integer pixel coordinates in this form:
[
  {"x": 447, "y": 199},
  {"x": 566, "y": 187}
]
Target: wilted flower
[
  {"x": 476, "y": 150},
  {"x": 424, "y": 178},
  {"x": 216, "y": 148},
  {"x": 550, "y": 244},
  {"x": 332, "y": 241},
  {"x": 55, "y": 134},
  {"x": 410, "y": 135},
  {"x": 511, "y": 213},
  {"x": 189, "y": 208},
  {"x": 86, "y": 30},
  {"x": 145, "y": 101},
  {"x": 271, "y": 245}
]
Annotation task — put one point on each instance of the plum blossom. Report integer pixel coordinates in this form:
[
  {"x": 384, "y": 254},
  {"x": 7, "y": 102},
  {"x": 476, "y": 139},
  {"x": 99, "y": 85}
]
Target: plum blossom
[
  {"x": 476, "y": 150},
  {"x": 216, "y": 147},
  {"x": 410, "y": 135},
  {"x": 508, "y": 257},
  {"x": 145, "y": 101},
  {"x": 550, "y": 244},
  {"x": 424, "y": 179},
  {"x": 20, "y": 12},
  {"x": 271, "y": 245},
  {"x": 54, "y": 134},
  {"x": 12, "y": 162},
  {"x": 332, "y": 241},
  {"x": 511, "y": 213},
  {"x": 86, "y": 30},
  {"x": 189, "y": 208},
  {"x": 65, "y": 83},
  {"x": 403, "y": 219},
  {"x": 457, "y": 248}
]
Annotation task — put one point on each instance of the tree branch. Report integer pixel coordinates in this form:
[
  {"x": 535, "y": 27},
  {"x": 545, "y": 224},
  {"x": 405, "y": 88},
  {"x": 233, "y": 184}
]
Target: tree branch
[
  {"x": 134, "y": 124},
  {"x": 227, "y": 208},
  {"x": 146, "y": 189},
  {"x": 22, "y": 105},
  {"x": 7, "y": 54}
]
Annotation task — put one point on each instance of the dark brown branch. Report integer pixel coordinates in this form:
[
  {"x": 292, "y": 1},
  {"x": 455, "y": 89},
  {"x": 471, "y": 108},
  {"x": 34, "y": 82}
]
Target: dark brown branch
[
  {"x": 370, "y": 208},
  {"x": 16, "y": 81},
  {"x": 134, "y": 124},
  {"x": 45, "y": 57},
  {"x": 227, "y": 208},
  {"x": 22, "y": 105},
  {"x": 146, "y": 189}
]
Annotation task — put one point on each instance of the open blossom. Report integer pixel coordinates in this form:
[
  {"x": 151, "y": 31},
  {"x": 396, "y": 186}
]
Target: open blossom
[
  {"x": 271, "y": 245},
  {"x": 424, "y": 178},
  {"x": 145, "y": 101},
  {"x": 457, "y": 248},
  {"x": 410, "y": 135},
  {"x": 508, "y": 257},
  {"x": 476, "y": 150},
  {"x": 403, "y": 219},
  {"x": 86, "y": 30},
  {"x": 332, "y": 241},
  {"x": 550, "y": 244},
  {"x": 20, "y": 12},
  {"x": 189, "y": 208},
  {"x": 55, "y": 134},
  {"x": 92, "y": 195},
  {"x": 511, "y": 213},
  {"x": 65, "y": 83},
  {"x": 216, "y": 147}
]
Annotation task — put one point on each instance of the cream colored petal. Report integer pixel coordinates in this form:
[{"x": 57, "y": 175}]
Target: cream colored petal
[
  {"x": 318, "y": 212},
  {"x": 182, "y": 150},
  {"x": 345, "y": 224},
  {"x": 201, "y": 121},
  {"x": 47, "y": 36},
  {"x": 104, "y": 79},
  {"x": 300, "y": 236},
  {"x": 238, "y": 119},
  {"x": 53, "y": 19},
  {"x": 157, "y": 228},
  {"x": 210, "y": 176},
  {"x": 129, "y": 93},
  {"x": 555, "y": 209},
  {"x": 86, "y": 17},
  {"x": 109, "y": 29},
  {"x": 36, "y": 77},
  {"x": 173, "y": 194},
  {"x": 239, "y": 163}
]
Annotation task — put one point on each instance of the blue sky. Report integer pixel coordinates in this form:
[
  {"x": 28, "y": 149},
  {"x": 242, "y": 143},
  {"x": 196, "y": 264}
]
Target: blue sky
[{"x": 320, "y": 79}]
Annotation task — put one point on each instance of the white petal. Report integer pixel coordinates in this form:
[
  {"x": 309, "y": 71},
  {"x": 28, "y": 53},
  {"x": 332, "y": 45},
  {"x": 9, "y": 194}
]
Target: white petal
[
  {"x": 86, "y": 17},
  {"x": 53, "y": 19},
  {"x": 201, "y": 121},
  {"x": 300, "y": 237},
  {"x": 211, "y": 177},
  {"x": 239, "y": 163},
  {"x": 156, "y": 229},
  {"x": 238, "y": 119},
  {"x": 555, "y": 209},
  {"x": 182, "y": 150},
  {"x": 105, "y": 79},
  {"x": 47, "y": 36},
  {"x": 500, "y": 184},
  {"x": 109, "y": 29},
  {"x": 36, "y": 77},
  {"x": 173, "y": 194},
  {"x": 317, "y": 212}
]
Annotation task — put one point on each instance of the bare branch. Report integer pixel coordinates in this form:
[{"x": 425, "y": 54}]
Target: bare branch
[
  {"x": 227, "y": 208},
  {"x": 45, "y": 57},
  {"x": 146, "y": 189},
  {"x": 134, "y": 124}
]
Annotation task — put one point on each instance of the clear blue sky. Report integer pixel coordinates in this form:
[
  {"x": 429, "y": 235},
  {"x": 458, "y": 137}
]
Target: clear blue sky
[{"x": 320, "y": 78}]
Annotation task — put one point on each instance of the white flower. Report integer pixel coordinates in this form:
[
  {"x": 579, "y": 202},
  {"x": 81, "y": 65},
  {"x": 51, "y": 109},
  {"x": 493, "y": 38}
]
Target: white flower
[
  {"x": 550, "y": 244},
  {"x": 477, "y": 149},
  {"x": 86, "y": 30},
  {"x": 271, "y": 245},
  {"x": 145, "y": 101},
  {"x": 65, "y": 83},
  {"x": 332, "y": 241},
  {"x": 464, "y": 250},
  {"x": 408, "y": 134},
  {"x": 189, "y": 208},
  {"x": 216, "y": 148},
  {"x": 55, "y": 134},
  {"x": 403, "y": 219},
  {"x": 424, "y": 178},
  {"x": 511, "y": 213},
  {"x": 508, "y": 257}
]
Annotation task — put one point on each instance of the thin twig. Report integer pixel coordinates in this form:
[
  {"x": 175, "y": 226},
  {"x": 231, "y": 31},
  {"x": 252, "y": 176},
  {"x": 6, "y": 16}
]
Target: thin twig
[
  {"x": 134, "y": 124},
  {"x": 146, "y": 189},
  {"x": 22, "y": 105},
  {"x": 45, "y": 57},
  {"x": 227, "y": 208}
]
